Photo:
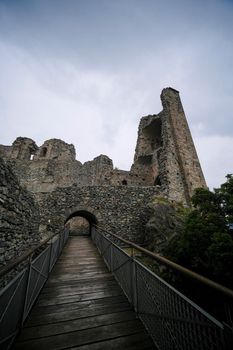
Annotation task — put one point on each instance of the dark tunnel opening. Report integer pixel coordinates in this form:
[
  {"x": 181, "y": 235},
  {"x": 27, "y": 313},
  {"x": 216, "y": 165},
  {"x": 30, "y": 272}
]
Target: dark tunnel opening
[{"x": 80, "y": 222}]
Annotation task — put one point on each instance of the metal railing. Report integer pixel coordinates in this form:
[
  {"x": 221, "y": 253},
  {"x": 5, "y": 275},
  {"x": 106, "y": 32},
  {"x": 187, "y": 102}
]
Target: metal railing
[
  {"x": 172, "y": 319},
  {"x": 19, "y": 295}
]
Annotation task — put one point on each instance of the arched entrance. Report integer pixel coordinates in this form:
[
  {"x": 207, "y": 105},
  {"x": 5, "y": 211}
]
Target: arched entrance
[{"x": 80, "y": 222}]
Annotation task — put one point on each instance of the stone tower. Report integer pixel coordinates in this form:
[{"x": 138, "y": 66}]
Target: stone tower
[{"x": 165, "y": 152}]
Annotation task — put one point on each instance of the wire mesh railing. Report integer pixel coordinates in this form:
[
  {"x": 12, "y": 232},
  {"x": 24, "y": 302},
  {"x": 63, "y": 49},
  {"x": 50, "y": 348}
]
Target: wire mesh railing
[
  {"x": 173, "y": 320},
  {"x": 19, "y": 295}
]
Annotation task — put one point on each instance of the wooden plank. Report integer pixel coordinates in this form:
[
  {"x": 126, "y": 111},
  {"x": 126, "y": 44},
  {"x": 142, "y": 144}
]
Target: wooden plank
[
  {"x": 82, "y": 307},
  {"x": 77, "y": 267},
  {"x": 75, "y": 313},
  {"x": 69, "y": 272},
  {"x": 80, "y": 297},
  {"x": 64, "y": 279},
  {"x": 76, "y": 325},
  {"x": 71, "y": 283},
  {"x": 77, "y": 289},
  {"x": 86, "y": 336},
  {"x": 74, "y": 281},
  {"x": 67, "y": 292},
  {"x": 131, "y": 342}
]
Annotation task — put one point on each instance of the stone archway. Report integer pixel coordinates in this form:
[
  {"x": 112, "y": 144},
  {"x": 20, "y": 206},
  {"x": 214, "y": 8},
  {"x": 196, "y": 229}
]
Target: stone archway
[
  {"x": 80, "y": 221},
  {"x": 119, "y": 209}
]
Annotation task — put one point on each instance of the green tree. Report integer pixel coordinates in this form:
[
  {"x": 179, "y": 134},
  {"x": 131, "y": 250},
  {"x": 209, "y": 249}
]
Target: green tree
[
  {"x": 206, "y": 243},
  {"x": 225, "y": 196}
]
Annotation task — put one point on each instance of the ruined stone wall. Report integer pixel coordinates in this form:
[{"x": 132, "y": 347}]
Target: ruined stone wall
[
  {"x": 120, "y": 209},
  {"x": 45, "y": 175},
  {"x": 19, "y": 220},
  {"x": 182, "y": 165},
  {"x": 42, "y": 169},
  {"x": 95, "y": 172},
  {"x": 165, "y": 152},
  {"x": 55, "y": 149},
  {"x": 5, "y": 151},
  {"x": 148, "y": 145},
  {"x": 23, "y": 148},
  {"x": 165, "y": 157}
]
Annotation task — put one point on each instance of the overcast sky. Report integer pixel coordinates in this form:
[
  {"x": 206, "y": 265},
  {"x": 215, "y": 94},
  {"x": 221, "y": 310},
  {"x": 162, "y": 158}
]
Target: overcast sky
[{"x": 85, "y": 71}]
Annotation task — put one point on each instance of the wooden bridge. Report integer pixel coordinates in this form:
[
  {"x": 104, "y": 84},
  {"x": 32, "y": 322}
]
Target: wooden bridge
[
  {"x": 88, "y": 293},
  {"x": 82, "y": 307}
]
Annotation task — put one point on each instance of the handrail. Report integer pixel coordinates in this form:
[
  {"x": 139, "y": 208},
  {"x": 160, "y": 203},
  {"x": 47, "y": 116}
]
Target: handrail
[
  {"x": 14, "y": 262},
  {"x": 171, "y": 318},
  {"x": 20, "y": 292},
  {"x": 199, "y": 278}
]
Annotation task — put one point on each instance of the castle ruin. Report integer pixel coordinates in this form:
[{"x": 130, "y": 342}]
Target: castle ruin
[
  {"x": 165, "y": 164},
  {"x": 165, "y": 157}
]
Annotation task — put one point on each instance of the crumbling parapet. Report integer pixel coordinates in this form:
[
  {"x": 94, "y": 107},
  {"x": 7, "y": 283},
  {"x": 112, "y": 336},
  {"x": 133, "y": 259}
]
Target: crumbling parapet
[
  {"x": 23, "y": 148},
  {"x": 57, "y": 150},
  {"x": 96, "y": 172},
  {"x": 5, "y": 151}
]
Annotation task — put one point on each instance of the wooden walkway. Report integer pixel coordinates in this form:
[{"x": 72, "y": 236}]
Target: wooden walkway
[{"x": 82, "y": 307}]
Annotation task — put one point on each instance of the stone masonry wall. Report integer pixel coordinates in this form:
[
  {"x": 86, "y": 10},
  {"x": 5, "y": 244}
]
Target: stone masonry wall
[
  {"x": 19, "y": 216},
  {"x": 42, "y": 169},
  {"x": 165, "y": 157},
  {"x": 119, "y": 209},
  {"x": 183, "y": 169},
  {"x": 165, "y": 152}
]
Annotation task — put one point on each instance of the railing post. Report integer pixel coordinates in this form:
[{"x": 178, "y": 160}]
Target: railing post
[
  {"x": 63, "y": 240},
  {"x": 228, "y": 336},
  {"x": 93, "y": 233},
  {"x": 67, "y": 233},
  {"x": 50, "y": 254},
  {"x": 134, "y": 292},
  {"x": 26, "y": 292},
  {"x": 59, "y": 246},
  {"x": 111, "y": 258}
]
